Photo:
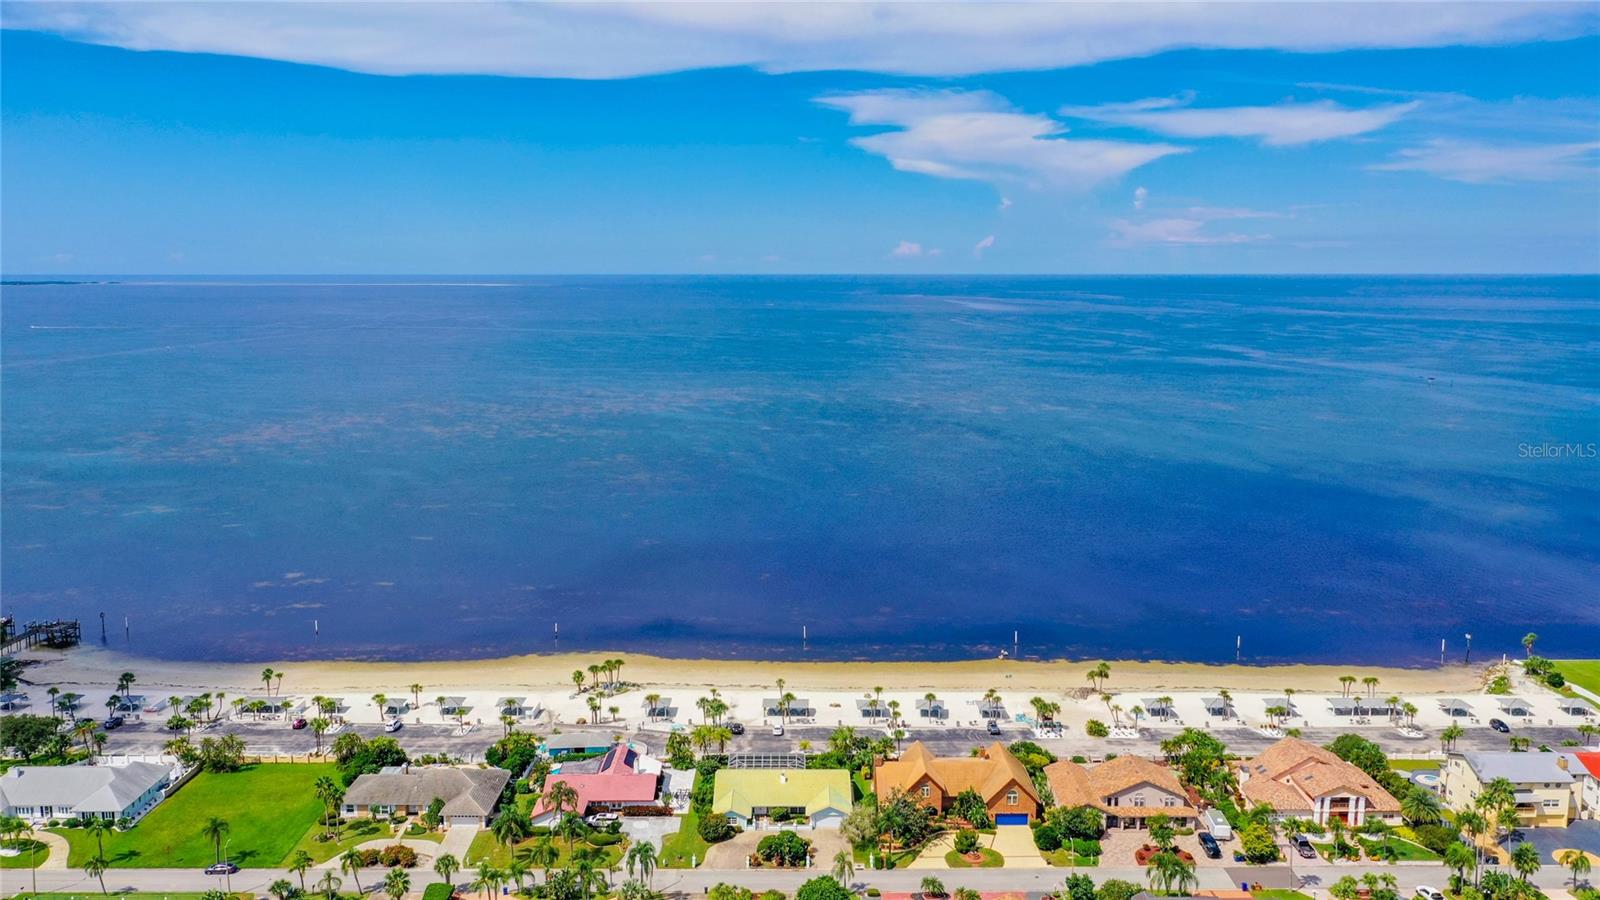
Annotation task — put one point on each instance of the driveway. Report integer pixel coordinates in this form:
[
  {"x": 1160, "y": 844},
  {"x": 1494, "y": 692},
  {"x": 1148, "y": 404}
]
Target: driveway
[
  {"x": 650, "y": 829},
  {"x": 1582, "y": 834},
  {"x": 1118, "y": 845},
  {"x": 731, "y": 854},
  {"x": 1015, "y": 843}
]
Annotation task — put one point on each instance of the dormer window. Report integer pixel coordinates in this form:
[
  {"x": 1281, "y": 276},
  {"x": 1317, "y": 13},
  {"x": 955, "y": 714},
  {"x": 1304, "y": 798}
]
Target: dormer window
[{"x": 1011, "y": 797}]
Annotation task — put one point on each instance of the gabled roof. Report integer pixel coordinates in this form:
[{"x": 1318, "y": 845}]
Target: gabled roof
[
  {"x": 1590, "y": 761},
  {"x": 988, "y": 773},
  {"x": 1517, "y": 768},
  {"x": 1075, "y": 785},
  {"x": 741, "y": 790},
  {"x": 85, "y": 789},
  {"x": 1292, "y": 773},
  {"x": 465, "y": 791},
  {"x": 623, "y": 775}
]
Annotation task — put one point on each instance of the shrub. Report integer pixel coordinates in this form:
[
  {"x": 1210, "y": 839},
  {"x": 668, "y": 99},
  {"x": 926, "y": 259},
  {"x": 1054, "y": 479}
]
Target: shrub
[
  {"x": 822, "y": 888},
  {"x": 1437, "y": 838},
  {"x": 724, "y": 891},
  {"x": 1047, "y": 838},
  {"x": 1083, "y": 847},
  {"x": 771, "y": 895},
  {"x": 398, "y": 856},
  {"x": 715, "y": 829},
  {"x": 784, "y": 848},
  {"x": 1257, "y": 843},
  {"x": 656, "y": 810},
  {"x": 874, "y": 892},
  {"x": 966, "y": 840},
  {"x": 1078, "y": 887},
  {"x": 604, "y": 838},
  {"x": 1080, "y": 759},
  {"x": 1080, "y": 822},
  {"x": 1117, "y": 889},
  {"x": 1096, "y": 728},
  {"x": 436, "y": 891}
]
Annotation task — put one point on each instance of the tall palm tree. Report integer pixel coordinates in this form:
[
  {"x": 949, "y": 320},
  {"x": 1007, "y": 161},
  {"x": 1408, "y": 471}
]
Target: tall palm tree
[
  {"x": 396, "y": 883},
  {"x": 266, "y": 678},
  {"x": 844, "y": 868},
  {"x": 487, "y": 880},
  {"x": 642, "y": 857},
  {"x": 1371, "y": 683},
  {"x": 1345, "y": 683},
  {"x": 328, "y": 885},
  {"x": 1460, "y": 857},
  {"x": 578, "y": 679},
  {"x": 319, "y": 726},
  {"x": 215, "y": 830},
  {"x": 543, "y": 853},
  {"x": 652, "y": 702},
  {"x": 329, "y": 792},
  {"x": 350, "y": 863},
  {"x": 283, "y": 889},
  {"x": 1525, "y": 859},
  {"x": 511, "y": 826},
  {"x": 1528, "y": 640},
  {"x": 98, "y": 827},
  {"x": 381, "y": 701},
  {"x": 416, "y": 693},
  {"x": 784, "y": 702},
  {"x": 96, "y": 868},
  {"x": 124, "y": 683},
  {"x": 446, "y": 866},
  {"x": 300, "y": 863},
  {"x": 1578, "y": 862}
]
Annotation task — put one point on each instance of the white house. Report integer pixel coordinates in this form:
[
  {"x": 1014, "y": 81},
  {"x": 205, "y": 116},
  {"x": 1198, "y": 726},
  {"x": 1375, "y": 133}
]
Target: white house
[{"x": 40, "y": 793}]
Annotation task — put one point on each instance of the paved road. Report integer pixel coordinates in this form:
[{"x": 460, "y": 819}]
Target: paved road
[
  {"x": 690, "y": 882},
  {"x": 148, "y": 736}
]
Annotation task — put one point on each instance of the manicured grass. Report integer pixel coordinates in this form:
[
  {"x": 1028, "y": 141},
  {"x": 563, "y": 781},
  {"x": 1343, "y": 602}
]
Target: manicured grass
[
  {"x": 1413, "y": 765},
  {"x": 1407, "y": 851},
  {"x": 28, "y": 859},
  {"x": 677, "y": 849},
  {"x": 1064, "y": 860},
  {"x": 1584, "y": 673},
  {"x": 485, "y": 848},
  {"x": 899, "y": 859},
  {"x": 353, "y": 834},
  {"x": 1279, "y": 895},
  {"x": 991, "y": 860},
  {"x": 268, "y": 808}
]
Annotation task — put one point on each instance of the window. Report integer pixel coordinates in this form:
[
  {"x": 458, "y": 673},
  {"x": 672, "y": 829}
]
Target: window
[
  {"x": 1011, "y": 797},
  {"x": 1553, "y": 804},
  {"x": 927, "y": 790},
  {"x": 1169, "y": 801}
]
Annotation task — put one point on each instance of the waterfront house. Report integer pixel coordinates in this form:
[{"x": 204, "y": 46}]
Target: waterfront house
[
  {"x": 1547, "y": 794},
  {"x": 761, "y": 798},
  {"x": 935, "y": 781},
  {"x": 112, "y": 793},
  {"x": 1585, "y": 767},
  {"x": 1129, "y": 790},
  {"x": 622, "y": 777},
  {"x": 469, "y": 794},
  {"x": 1299, "y": 780}
]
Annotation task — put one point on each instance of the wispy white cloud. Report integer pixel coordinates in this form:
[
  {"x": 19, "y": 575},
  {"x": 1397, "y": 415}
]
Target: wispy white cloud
[
  {"x": 979, "y": 247},
  {"x": 1483, "y": 163},
  {"x": 1005, "y": 202},
  {"x": 1281, "y": 125},
  {"x": 1140, "y": 194},
  {"x": 618, "y": 40},
  {"x": 906, "y": 249},
  {"x": 977, "y": 135},
  {"x": 1188, "y": 226}
]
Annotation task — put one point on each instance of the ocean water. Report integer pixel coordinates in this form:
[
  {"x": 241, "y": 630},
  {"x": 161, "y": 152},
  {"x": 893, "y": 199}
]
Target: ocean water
[{"x": 1329, "y": 469}]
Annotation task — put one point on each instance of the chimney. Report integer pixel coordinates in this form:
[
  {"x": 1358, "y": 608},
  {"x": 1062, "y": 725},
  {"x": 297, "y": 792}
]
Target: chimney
[{"x": 1562, "y": 761}]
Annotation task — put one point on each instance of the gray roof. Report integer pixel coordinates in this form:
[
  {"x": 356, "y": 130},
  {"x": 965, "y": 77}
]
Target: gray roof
[
  {"x": 577, "y": 741},
  {"x": 85, "y": 789},
  {"x": 1517, "y": 768},
  {"x": 465, "y": 792}
]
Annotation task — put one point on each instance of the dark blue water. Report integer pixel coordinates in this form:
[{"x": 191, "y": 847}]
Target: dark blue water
[{"x": 1335, "y": 469}]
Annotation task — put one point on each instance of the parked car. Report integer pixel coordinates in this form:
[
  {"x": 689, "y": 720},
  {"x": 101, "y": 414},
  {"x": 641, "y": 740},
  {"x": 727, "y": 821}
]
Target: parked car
[
  {"x": 113, "y": 722},
  {"x": 777, "y": 731},
  {"x": 1500, "y": 726},
  {"x": 393, "y": 725},
  {"x": 222, "y": 868},
  {"x": 1209, "y": 845},
  {"x": 1303, "y": 847},
  {"x": 298, "y": 724},
  {"x": 736, "y": 728},
  {"x": 1424, "y": 892},
  {"x": 601, "y": 820},
  {"x": 994, "y": 727},
  {"x": 83, "y": 721}
]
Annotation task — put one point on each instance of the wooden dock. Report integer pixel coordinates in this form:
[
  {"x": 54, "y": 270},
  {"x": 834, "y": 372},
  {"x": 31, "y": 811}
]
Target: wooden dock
[{"x": 56, "y": 634}]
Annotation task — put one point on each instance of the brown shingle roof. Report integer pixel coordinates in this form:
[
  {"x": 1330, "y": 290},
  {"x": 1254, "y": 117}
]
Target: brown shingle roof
[
  {"x": 1075, "y": 785},
  {"x": 987, "y": 774},
  {"x": 465, "y": 792},
  {"x": 1291, "y": 774}
]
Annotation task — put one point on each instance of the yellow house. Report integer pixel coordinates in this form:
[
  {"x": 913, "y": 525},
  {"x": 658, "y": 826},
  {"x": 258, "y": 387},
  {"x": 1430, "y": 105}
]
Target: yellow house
[{"x": 1546, "y": 792}]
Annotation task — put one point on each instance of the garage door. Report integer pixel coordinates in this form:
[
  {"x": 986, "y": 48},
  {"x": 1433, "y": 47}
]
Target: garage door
[{"x": 1011, "y": 819}]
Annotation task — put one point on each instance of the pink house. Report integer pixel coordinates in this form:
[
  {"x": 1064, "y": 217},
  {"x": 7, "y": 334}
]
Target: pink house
[{"x": 622, "y": 777}]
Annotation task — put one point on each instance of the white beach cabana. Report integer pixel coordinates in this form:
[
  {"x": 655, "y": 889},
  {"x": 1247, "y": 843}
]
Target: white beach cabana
[
  {"x": 1516, "y": 706},
  {"x": 1156, "y": 706},
  {"x": 661, "y": 709},
  {"x": 1455, "y": 708},
  {"x": 990, "y": 709},
  {"x": 1216, "y": 706},
  {"x": 454, "y": 706},
  {"x": 873, "y": 709},
  {"x": 1574, "y": 707},
  {"x": 932, "y": 709},
  {"x": 1284, "y": 702},
  {"x": 799, "y": 708}
]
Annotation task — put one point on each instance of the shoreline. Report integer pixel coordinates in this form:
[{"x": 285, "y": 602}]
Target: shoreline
[{"x": 88, "y": 665}]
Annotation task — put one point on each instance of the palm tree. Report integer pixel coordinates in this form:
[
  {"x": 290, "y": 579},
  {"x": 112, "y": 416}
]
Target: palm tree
[
  {"x": 563, "y": 798},
  {"x": 1528, "y": 640},
  {"x": 279, "y": 676},
  {"x": 966, "y": 893},
  {"x": 319, "y": 726},
  {"x": 416, "y": 693},
  {"x": 1345, "y": 683},
  {"x": 1460, "y": 857},
  {"x": 396, "y": 883},
  {"x": 1525, "y": 859},
  {"x": 300, "y": 863},
  {"x": 1473, "y": 825},
  {"x": 783, "y": 706},
  {"x": 1578, "y": 862},
  {"x": 844, "y": 868},
  {"x": 615, "y": 711},
  {"x": 329, "y": 885},
  {"x": 543, "y": 854},
  {"x": 266, "y": 678},
  {"x": 642, "y": 857},
  {"x": 1410, "y": 709},
  {"x": 329, "y": 792},
  {"x": 350, "y": 864},
  {"x": 594, "y": 672},
  {"x": 98, "y": 827},
  {"x": 1371, "y": 683},
  {"x": 124, "y": 683},
  {"x": 652, "y": 702},
  {"x": 215, "y": 830},
  {"x": 283, "y": 889},
  {"x": 932, "y": 887},
  {"x": 380, "y": 701},
  {"x": 511, "y": 826},
  {"x": 1420, "y": 806},
  {"x": 487, "y": 880},
  {"x": 446, "y": 866},
  {"x": 1451, "y": 733},
  {"x": 96, "y": 868},
  {"x": 578, "y": 679}
]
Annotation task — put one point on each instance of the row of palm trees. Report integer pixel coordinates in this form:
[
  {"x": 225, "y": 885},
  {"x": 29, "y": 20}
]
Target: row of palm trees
[{"x": 605, "y": 673}]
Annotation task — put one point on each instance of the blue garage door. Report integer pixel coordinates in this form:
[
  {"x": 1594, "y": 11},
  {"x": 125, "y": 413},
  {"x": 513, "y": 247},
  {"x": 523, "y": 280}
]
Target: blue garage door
[{"x": 1011, "y": 819}]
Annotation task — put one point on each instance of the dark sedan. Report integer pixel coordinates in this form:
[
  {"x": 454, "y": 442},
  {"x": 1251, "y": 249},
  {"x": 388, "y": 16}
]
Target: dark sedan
[
  {"x": 1500, "y": 726},
  {"x": 1209, "y": 845}
]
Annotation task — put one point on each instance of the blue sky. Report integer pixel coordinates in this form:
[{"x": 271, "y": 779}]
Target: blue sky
[{"x": 721, "y": 138}]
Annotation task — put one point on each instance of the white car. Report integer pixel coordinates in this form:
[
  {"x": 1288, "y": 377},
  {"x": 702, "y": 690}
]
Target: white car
[
  {"x": 393, "y": 725},
  {"x": 600, "y": 820},
  {"x": 1428, "y": 893},
  {"x": 777, "y": 730}
]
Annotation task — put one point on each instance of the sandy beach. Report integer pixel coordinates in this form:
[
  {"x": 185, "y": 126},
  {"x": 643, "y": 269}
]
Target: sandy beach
[{"x": 96, "y": 667}]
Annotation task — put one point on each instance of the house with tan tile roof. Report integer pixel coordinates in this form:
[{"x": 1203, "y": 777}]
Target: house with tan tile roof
[
  {"x": 1300, "y": 780},
  {"x": 935, "y": 781},
  {"x": 1128, "y": 790}
]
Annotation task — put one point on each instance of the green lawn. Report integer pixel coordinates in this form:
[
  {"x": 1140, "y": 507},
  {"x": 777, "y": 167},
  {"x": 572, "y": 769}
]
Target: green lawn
[
  {"x": 358, "y": 832},
  {"x": 1408, "y": 851},
  {"x": 899, "y": 859},
  {"x": 1279, "y": 895},
  {"x": 27, "y": 860},
  {"x": 991, "y": 860},
  {"x": 1413, "y": 765},
  {"x": 1584, "y": 673},
  {"x": 676, "y": 849},
  {"x": 1065, "y": 860},
  {"x": 486, "y": 849},
  {"x": 268, "y": 807}
]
